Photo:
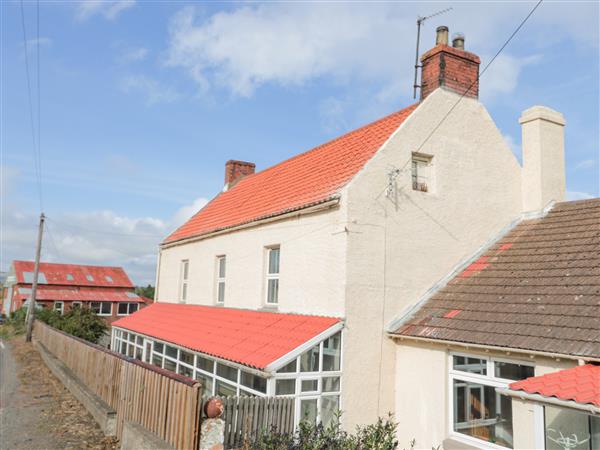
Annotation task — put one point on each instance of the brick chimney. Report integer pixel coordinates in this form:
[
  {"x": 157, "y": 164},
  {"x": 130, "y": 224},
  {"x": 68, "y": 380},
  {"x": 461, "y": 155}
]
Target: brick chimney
[
  {"x": 236, "y": 170},
  {"x": 449, "y": 67}
]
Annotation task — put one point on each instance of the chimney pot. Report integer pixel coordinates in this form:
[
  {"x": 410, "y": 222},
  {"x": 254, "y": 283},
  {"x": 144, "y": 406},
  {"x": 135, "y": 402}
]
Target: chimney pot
[
  {"x": 441, "y": 36},
  {"x": 236, "y": 170},
  {"x": 458, "y": 41}
]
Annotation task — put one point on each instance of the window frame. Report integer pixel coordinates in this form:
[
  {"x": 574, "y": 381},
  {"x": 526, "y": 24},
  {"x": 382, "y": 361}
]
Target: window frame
[
  {"x": 100, "y": 313},
  {"x": 427, "y": 160},
  {"x": 77, "y": 303},
  {"x": 184, "y": 274},
  {"x": 272, "y": 276},
  {"x": 486, "y": 380},
  {"x": 128, "y": 308},
  {"x": 220, "y": 280},
  {"x": 62, "y": 307}
]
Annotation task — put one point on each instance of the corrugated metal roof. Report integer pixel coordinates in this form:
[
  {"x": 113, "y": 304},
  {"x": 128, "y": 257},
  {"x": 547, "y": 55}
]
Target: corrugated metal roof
[
  {"x": 580, "y": 384},
  {"x": 538, "y": 289},
  {"x": 307, "y": 179},
  {"x": 252, "y": 338},
  {"x": 64, "y": 294},
  {"x": 72, "y": 274}
]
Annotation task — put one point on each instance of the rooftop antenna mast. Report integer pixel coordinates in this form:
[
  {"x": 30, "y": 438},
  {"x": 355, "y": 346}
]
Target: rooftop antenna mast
[{"x": 420, "y": 20}]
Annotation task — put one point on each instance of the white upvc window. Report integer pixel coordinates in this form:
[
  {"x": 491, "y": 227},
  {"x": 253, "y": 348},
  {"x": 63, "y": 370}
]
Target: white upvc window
[
  {"x": 76, "y": 305},
  {"x": 272, "y": 281},
  {"x": 101, "y": 308},
  {"x": 60, "y": 307},
  {"x": 221, "y": 274},
  {"x": 478, "y": 414},
  {"x": 183, "y": 289},
  {"x": 422, "y": 172},
  {"x": 124, "y": 309}
]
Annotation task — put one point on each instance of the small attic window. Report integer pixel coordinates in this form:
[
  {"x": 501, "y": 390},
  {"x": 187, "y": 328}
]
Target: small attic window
[
  {"x": 70, "y": 277},
  {"x": 109, "y": 278},
  {"x": 89, "y": 278},
  {"x": 422, "y": 172}
]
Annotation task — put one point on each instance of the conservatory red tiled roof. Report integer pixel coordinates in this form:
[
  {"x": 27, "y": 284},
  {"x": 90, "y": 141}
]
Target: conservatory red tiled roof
[
  {"x": 308, "y": 179},
  {"x": 47, "y": 293},
  {"x": 580, "y": 384},
  {"x": 82, "y": 275},
  {"x": 251, "y": 338}
]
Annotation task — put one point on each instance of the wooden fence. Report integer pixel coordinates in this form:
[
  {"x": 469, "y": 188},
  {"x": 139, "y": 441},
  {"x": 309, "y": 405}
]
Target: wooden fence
[
  {"x": 247, "y": 417},
  {"x": 163, "y": 402}
]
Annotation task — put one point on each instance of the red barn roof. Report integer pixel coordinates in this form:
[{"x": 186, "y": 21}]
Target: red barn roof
[
  {"x": 75, "y": 294},
  {"x": 252, "y": 338},
  {"x": 72, "y": 275},
  {"x": 307, "y": 179},
  {"x": 580, "y": 384}
]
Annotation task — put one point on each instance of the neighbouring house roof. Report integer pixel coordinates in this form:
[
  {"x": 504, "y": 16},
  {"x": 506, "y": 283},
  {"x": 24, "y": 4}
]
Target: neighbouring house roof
[
  {"x": 61, "y": 274},
  {"x": 46, "y": 293},
  {"x": 305, "y": 180},
  {"x": 537, "y": 289},
  {"x": 251, "y": 338},
  {"x": 580, "y": 384}
]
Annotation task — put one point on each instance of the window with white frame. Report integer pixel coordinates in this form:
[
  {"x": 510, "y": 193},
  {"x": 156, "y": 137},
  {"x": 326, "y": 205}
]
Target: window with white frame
[
  {"x": 183, "y": 288},
  {"x": 60, "y": 307},
  {"x": 273, "y": 275},
  {"x": 313, "y": 378},
  {"x": 421, "y": 171},
  {"x": 478, "y": 411},
  {"x": 125, "y": 308},
  {"x": 76, "y": 305},
  {"x": 221, "y": 273},
  {"x": 101, "y": 308}
]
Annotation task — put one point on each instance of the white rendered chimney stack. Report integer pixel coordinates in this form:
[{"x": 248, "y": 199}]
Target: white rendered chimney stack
[{"x": 543, "y": 144}]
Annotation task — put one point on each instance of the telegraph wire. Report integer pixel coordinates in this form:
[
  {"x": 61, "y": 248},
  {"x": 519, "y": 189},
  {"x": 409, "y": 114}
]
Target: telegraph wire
[{"x": 31, "y": 118}]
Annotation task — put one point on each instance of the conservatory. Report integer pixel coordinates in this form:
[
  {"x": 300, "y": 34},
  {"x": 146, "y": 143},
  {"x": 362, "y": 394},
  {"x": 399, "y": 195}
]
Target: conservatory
[{"x": 246, "y": 353}]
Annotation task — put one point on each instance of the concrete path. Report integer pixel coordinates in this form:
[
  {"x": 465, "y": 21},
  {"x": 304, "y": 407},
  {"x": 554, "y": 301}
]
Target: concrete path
[{"x": 22, "y": 421}]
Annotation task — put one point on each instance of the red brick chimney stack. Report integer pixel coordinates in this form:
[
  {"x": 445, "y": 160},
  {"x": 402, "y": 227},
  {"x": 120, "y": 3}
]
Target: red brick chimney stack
[
  {"x": 448, "y": 67},
  {"x": 236, "y": 170}
]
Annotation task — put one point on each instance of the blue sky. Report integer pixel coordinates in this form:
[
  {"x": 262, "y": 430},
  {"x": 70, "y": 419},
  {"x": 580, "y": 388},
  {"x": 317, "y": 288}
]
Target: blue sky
[{"x": 142, "y": 103}]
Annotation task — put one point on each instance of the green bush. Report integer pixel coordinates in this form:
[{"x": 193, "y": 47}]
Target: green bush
[
  {"x": 378, "y": 436},
  {"x": 83, "y": 323},
  {"x": 80, "y": 322}
]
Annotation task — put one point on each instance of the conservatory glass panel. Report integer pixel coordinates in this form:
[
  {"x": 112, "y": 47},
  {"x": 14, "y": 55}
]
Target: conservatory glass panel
[
  {"x": 308, "y": 410},
  {"x": 309, "y": 361},
  {"x": 224, "y": 389},
  {"x": 285, "y": 387},
  {"x": 330, "y": 405},
  {"x": 332, "y": 353},
  {"x": 331, "y": 384},
  {"x": 253, "y": 381},
  {"x": 227, "y": 372}
]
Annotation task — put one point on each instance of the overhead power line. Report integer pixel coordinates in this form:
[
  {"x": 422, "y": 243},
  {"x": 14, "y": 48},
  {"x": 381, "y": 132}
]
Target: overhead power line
[
  {"x": 36, "y": 156},
  {"x": 487, "y": 66}
]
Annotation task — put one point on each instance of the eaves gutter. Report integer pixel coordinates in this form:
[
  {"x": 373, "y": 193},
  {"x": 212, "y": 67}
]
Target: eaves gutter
[
  {"x": 328, "y": 203},
  {"x": 524, "y": 351},
  {"x": 522, "y": 395}
]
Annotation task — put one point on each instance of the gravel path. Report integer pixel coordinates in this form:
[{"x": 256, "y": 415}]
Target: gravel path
[{"x": 36, "y": 411}]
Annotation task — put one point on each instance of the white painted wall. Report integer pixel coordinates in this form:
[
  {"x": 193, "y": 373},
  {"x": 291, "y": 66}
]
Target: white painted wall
[
  {"x": 422, "y": 398},
  {"x": 312, "y": 272},
  {"x": 399, "y": 247}
]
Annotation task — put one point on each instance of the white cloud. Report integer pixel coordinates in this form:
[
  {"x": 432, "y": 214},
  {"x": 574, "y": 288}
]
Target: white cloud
[
  {"x": 109, "y": 9},
  {"x": 575, "y": 195},
  {"x": 586, "y": 164},
  {"x": 332, "y": 114},
  {"x": 152, "y": 90},
  {"x": 95, "y": 237},
  {"x": 291, "y": 44},
  {"x": 131, "y": 55}
]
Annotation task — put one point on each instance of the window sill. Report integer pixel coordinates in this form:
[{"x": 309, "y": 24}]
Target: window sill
[{"x": 458, "y": 442}]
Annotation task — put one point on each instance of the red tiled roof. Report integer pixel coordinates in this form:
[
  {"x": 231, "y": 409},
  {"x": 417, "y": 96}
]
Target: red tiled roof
[
  {"x": 307, "y": 179},
  {"x": 46, "y": 293},
  {"x": 53, "y": 273},
  {"x": 252, "y": 338},
  {"x": 580, "y": 384},
  {"x": 538, "y": 288}
]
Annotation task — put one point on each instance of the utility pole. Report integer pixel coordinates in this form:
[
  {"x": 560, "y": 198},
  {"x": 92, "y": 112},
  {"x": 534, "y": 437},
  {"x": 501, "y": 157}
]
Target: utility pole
[{"x": 36, "y": 270}]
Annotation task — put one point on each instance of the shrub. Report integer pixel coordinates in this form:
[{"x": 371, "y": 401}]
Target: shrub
[
  {"x": 83, "y": 323},
  {"x": 378, "y": 436},
  {"x": 80, "y": 322}
]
